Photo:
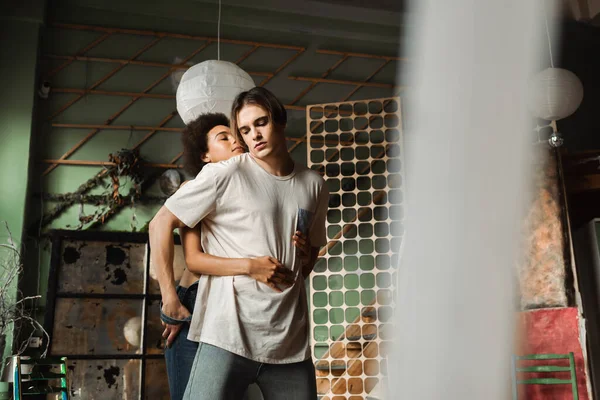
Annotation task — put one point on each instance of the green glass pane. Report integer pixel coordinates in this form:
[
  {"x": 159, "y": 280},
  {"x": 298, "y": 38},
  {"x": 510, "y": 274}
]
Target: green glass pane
[
  {"x": 336, "y": 316},
  {"x": 350, "y": 247},
  {"x": 396, "y": 215},
  {"x": 334, "y": 199},
  {"x": 350, "y": 231},
  {"x": 336, "y": 299},
  {"x": 349, "y": 214},
  {"x": 317, "y": 156},
  {"x": 321, "y": 333},
  {"x": 349, "y": 199},
  {"x": 320, "y": 299},
  {"x": 346, "y": 138},
  {"x": 367, "y": 297},
  {"x": 395, "y": 196},
  {"x": 367, "y": 281},
  {"x": 336, "y": 249},
  {"x": 379, "y": 182},
  {"x": 365, "y": 230},
  {"x": 363, "y": 183},
  {"x": 352, "y": 298},
  {"x": 380, "y": 197},
  {"x": 350, "y": 263},
  {"x": 335, "y": 282},
  {"x": 319, "y": 283},
  {"x": 378, "y": 166},
  {"x": 334, "y": 216},
  {"x": 348, "y": 184},
  {"x": 320, "y": 351},
  {"x": 362, "y": 153},
  {"x": 382, "y": 261},
  {"x": 351, "y": 281},
  {"x": 384, "y": 297},
  {"x": 348, "y": 169},
  {"x": 382, "y": 245},
  {"x": 363, "y": 168},
  {"x": 334, "y": 264},
  {"x": 365, "y": 214},
  {"x": 337, "y": 332},
  {"x": 395, "y": 181},
  {"x": 361, "y": 137},
  {"x": 320, "y": 265},
  {"x": 333, "y": 230},
  {"x": 392, "y": 135},
  {"x": 364, "y": 198},
  {"x": 347, "y": 154},
  {"x": 385, "y": 313},
  {"x": 382, "y": 229},
  {"x": 320, "y": 316},
  {"x": 384, "y": 280},
  {"x": 352, "y": 314},
  {"x": 376, "y": 122},
  {"x": 367, "y": 263},
  {"x": 366, "y": 246},
  {"x": 346, "y": 124},
  {"x": 332, "y": 155},
  {"x": 377, "y": 136},
  {"x": 394, "y": 165},
  {"x": 380, "y": 213},
  {"x": 316, "y": 141},
  {"x": 333, "y": 184}
]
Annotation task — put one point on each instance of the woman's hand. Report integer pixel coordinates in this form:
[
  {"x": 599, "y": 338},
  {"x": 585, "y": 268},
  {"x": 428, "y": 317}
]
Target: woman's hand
[{"x": 270, "y": 271}]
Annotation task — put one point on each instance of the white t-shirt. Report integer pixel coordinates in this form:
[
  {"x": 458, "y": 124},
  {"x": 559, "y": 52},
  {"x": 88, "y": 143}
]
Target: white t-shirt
[{"x": 246, "y": 212}]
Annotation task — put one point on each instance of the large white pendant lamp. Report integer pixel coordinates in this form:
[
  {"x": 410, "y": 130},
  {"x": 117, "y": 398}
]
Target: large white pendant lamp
[
  {"x": 554, "y": 94},
  {"x": 211, "y": 86}
]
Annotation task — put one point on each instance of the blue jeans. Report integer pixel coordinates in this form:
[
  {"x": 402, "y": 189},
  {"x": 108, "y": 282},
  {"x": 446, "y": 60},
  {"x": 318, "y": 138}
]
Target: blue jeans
[
  {"x": 218, "y": 374},
  {"x": 179, "y": 357}
]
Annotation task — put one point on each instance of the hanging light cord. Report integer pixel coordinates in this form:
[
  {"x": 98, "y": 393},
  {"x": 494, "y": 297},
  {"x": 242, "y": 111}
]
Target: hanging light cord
[
  {"x": 547, "y": 35},
  {"x": 219, "y": 34}
]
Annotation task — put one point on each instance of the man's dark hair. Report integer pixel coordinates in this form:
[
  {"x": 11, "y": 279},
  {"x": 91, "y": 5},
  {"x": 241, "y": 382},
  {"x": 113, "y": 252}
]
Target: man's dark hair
[
  {"x": 261, "y": 97},
  {"x": 195, "y": 140}
]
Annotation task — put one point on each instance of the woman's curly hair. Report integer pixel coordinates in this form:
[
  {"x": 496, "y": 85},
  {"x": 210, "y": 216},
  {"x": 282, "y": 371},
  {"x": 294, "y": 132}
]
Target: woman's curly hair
[{"x": 195, "y": 140}]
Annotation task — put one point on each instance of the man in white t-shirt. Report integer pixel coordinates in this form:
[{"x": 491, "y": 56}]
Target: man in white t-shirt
[{"x": 249, "y": 206}]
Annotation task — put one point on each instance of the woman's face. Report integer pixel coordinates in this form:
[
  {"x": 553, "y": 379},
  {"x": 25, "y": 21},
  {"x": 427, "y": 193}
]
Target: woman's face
[{"x": 221, "y": 145}]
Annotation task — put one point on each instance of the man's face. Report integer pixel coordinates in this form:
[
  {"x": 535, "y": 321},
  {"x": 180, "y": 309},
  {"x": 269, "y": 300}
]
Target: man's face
[{"x": 262, "y": 137}]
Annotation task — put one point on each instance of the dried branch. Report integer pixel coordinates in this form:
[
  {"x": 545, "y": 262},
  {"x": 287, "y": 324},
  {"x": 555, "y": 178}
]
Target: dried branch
[{"x": 13, "y": 310}]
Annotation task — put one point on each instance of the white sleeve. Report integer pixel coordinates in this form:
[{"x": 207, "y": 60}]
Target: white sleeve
[
  {"x": 195, "y": 200},
  {"x": 317, "y": 234}
]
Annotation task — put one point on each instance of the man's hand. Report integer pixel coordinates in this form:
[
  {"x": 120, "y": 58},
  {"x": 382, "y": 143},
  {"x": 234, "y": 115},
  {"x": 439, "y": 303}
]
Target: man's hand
[
  {"x": 173, "y": 309},
  {"x": 302, "y": 243},
  {"x": 270, "y": 271}
]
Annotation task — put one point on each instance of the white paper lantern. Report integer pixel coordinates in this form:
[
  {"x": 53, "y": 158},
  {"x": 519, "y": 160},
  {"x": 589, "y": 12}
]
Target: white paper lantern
[
  {"x": 133, "y": 331},
  {"x": 210, "y": 87},
  {"x": 555, "y": 93}
]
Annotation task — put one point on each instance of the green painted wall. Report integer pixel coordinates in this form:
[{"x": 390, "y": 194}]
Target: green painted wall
[{"x": 19, "y": 40}]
